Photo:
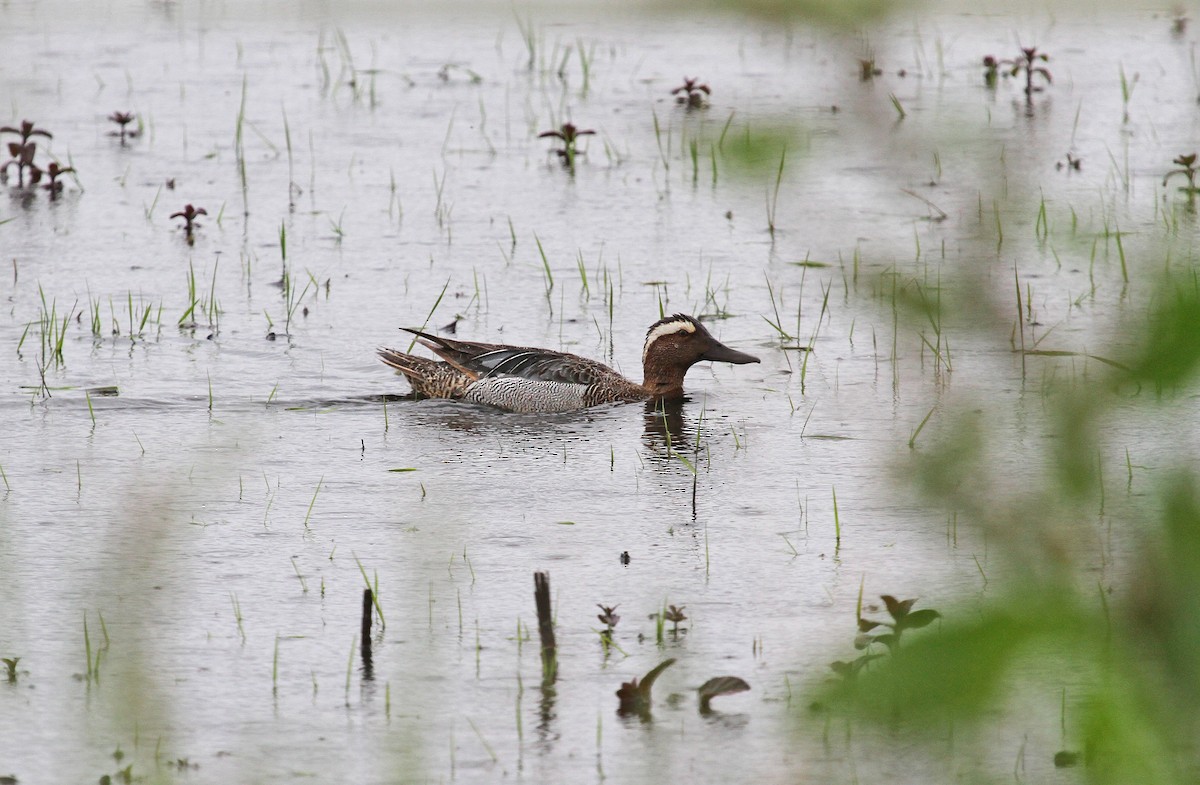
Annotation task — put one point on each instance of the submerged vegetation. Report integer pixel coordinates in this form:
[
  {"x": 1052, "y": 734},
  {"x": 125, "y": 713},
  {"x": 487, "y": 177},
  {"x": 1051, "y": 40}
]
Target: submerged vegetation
[{"x": 1187, "y": 170}]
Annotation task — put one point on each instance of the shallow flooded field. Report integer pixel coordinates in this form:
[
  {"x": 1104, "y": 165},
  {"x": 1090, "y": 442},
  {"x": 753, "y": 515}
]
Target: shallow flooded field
[{"x": 204, "y": 463}]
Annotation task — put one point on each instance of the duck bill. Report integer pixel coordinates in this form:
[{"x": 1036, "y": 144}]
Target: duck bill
[{"x": 721, "y": 353}]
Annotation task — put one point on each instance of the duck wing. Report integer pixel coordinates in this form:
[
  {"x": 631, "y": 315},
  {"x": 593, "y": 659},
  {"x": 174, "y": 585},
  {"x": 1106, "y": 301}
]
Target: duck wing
[
  {"x": 488, "y": 360},
  {"x": 546, "y": 366}
]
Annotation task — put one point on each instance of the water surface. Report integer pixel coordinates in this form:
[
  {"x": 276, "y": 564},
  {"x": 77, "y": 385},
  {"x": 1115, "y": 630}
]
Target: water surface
[{"x": 387, "y": 162}]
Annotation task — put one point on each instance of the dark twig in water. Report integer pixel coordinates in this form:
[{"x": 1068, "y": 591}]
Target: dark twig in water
[
  {"x": 368, "y": 607},
  {"x": 541, "y": 596}
]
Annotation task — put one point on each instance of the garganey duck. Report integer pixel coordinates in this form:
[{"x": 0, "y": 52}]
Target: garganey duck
[{"x": 523, "y": 379}]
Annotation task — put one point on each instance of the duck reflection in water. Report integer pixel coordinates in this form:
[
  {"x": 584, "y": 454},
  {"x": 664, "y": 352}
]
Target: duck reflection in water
[{"x": 667, "y": 427}]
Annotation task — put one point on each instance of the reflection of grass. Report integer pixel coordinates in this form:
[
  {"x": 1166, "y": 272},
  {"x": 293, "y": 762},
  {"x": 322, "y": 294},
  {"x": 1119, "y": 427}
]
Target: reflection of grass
[{"x": 757, "y": 150}]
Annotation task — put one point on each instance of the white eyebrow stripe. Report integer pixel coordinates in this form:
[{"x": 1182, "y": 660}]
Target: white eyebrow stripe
[{"x": 678, "y": 326}]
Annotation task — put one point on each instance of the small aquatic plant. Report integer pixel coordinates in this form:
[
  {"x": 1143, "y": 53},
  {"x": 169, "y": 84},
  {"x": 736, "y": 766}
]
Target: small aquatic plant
[
  {"x": 1028, "y": 61},
  {"x": 692, "y": 93},
  {"x": 54, "y": 171},
  {"x": 867, "y": 70},
  {"x": 10, "y": 667},
  {"x": 903, "y": 618},
  {"x": 123, "y": 119},
  {"x": 675, "y": 615},
  {"x": 609, "y": 618},
  {"x": 22, "y": 159},
  {"x": 189, "y": 214},
  {"x": 1187, "y": 168},
  {"x": 991, "y": 71},
  {"x": 569, "y": 135},
  {"x": 1072, "y": 163},
  {"x": 21, "y": 153}
]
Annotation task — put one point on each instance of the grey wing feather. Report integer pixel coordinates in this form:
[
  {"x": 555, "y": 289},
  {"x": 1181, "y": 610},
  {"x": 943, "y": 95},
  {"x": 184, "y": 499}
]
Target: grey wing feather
[
  {"x": 488, "y": 359},
  {"x": 543, "y": 365}
]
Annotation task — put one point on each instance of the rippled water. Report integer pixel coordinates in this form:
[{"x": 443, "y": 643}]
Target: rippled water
[{"x": 391, "y": 156}]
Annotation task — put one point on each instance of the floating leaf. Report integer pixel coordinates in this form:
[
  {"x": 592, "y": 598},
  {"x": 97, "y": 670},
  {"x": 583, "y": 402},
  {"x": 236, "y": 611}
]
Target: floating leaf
[
  {"x": 635, "y": 696},
  {"x": 720, "y": 685},
  {"x": 404, "y": 469}
]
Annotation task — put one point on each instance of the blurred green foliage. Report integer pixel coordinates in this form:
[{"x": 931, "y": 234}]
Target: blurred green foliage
[
  {"x": 1128, "y": 644},
  {"x": 838, "y": 13}
]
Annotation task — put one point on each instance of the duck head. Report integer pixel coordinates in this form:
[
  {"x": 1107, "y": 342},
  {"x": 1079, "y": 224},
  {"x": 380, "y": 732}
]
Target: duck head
[{"x": 675, "y": 344}]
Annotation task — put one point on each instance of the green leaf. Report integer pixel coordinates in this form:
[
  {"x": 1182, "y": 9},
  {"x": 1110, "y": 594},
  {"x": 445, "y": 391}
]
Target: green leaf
[
  {"x": 406, "y": 469},
  {"x": 1171, "y": 351}
]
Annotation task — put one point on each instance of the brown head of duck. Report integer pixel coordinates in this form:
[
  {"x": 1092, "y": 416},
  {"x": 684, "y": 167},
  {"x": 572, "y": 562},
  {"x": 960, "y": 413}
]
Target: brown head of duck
[{"x": 675, "y": 344}]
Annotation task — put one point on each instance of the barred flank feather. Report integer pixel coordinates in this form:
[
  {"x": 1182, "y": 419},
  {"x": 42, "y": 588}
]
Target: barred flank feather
[{"x": 517, "y": 394}]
